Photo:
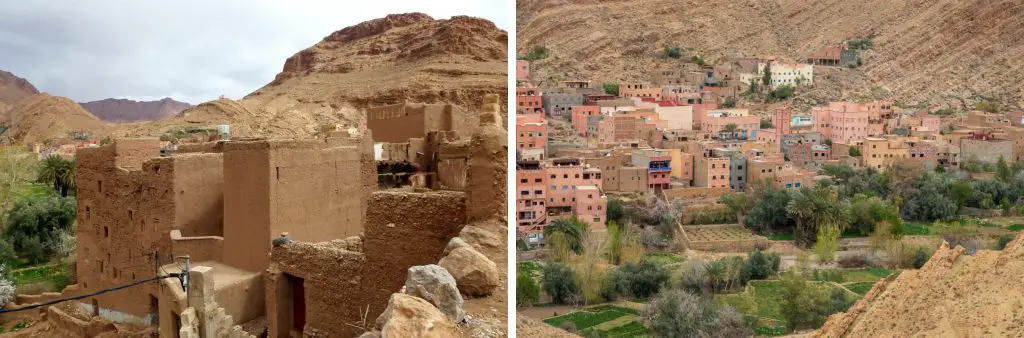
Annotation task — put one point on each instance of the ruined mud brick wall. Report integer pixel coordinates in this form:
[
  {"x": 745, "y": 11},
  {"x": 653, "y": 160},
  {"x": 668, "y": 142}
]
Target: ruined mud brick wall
[
  {"x": 452, "y": 164},
  {"x": 308, "y": 189},
  {"x": 128, "y": 202},
  {"x": 487, "y": 169},
  {"x": 331, "y": 273},
  {"x": 403, "y": 229}
]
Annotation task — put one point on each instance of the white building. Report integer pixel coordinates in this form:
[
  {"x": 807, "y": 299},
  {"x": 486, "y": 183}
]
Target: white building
[{"x": 793, "y": 74}]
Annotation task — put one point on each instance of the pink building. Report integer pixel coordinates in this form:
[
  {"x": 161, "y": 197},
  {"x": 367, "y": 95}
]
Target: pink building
[
  {"x": 531, "y": 136},
  {"x": 659, "y": 168},
  {"x": 590, "y": 205},
  {"x": 847, "y": 121},
  {"x": 522, "y": 70},
  {"x": 531, "y": 187},
  {"x": 717, "y": 123},
  {"x": 528, "y": 101},
  {"x": 581, "y": 116}
]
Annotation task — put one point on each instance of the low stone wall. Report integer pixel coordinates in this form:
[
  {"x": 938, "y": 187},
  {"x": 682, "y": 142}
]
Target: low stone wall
[
  {"x": 692, "y": 238},
  {"x": 199, "y": 249},
  {"x": 76, "y": 326}
]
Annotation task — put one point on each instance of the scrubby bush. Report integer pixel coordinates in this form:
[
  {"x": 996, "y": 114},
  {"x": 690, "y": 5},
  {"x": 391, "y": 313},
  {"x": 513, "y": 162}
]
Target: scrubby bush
[
  {"x": 678, "y": 313},
  {"x": 558, "y": 282},
  {"x": 537, "y": 53},
  {"x": 569, "y": 327},
  {"x": 34, "y": 226},
  {"x": 761, "y": 265},
  {"x": 854, "y": 260},
  {"x": 1003, "y": 241},
  {"x": 611, "y": 88},
  {"x": 920, "y": 257},
  {"x": 527, "y": 290},
  {"x": 673, "y": 52},
  {"x": 640, "y": 280}
]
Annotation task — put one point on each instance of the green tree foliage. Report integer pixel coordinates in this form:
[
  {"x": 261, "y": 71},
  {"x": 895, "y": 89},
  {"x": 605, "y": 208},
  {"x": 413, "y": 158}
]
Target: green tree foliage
[
  {"x": 696, "y": 59},
  {"x": 802, "y": 304},
  {"x": 818, "y": 213},
  {"x": 678, "y": 314},
  {"x": 527, "y": 290},
  {"x": 572, "y": 228},
  {"x": 868, "y": 211},
  {"x": 783, "y": 92},
  {"x": 766, "y": 77},
  {"x": 920, "y": 257},
  {"x": 854, "y": 151},
  {"x": 863, "y": 44},
  {"x": 17, "y": 168},
  {"x": 614, "y": 211},
  {"x": 537, "y": 53},
  {"x": 959, "y": 193},
  {"x": 766, "y": 124},
  {"x": 769, "y": 213},
  {"x": 58, "y": 172},
  {"x": 929, "y": 199},
  {"x": 1003, "y": 171},
  {"x": 729, "y": 103},
  {"x": 673, "y": 52},
  {"x": 611, "y": 88},
  {"x": 641, "y": 280},
  {"x": 731, "y": 127},
  {"x": 558, "y": 282},
  {"x": 34, "y": 226},
  {"x": 738, "y": 203},
  {"x": 760, "y": 265}
]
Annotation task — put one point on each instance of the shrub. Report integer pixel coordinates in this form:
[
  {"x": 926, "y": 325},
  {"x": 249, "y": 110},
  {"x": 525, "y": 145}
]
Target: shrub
[
  {"x": 558, "y": 282},
  {"x": 696, "y": 59},
  {"x": 802, "y": 304},
  {"x": 782, "y": 93},
  {"x": 568, "y": 327},
  {"x": 838, "y": 301},
  {"x": 678, "y": 313},
  {"x": 854, "y": 151},
  {"x": 854, "y": 260},
  {"x": 920, "y": 257},
  {"x": 760, "y": 266},
  {"x": 673, "y": 52},
  {"x": 729, "y": 103},
  {"x": 640, "y": 280},
  {"x": 1003, "y": 241},
  {"x": 34, "y": 226},
  {"x": 537, "y": 53},
  {"x": 527, "y": 290},
  {"x": 611, "y": 88}
]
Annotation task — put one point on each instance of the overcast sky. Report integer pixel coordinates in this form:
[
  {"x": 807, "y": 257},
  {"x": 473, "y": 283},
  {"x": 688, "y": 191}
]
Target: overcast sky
[{"x": 189, "y": 50}]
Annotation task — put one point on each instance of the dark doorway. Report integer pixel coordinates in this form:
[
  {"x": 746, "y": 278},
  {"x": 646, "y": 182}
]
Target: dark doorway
[
  {"x": 154, "y": 311},
  {"x": 95, "y": 308},
  {"x": 298, "y": 302}
]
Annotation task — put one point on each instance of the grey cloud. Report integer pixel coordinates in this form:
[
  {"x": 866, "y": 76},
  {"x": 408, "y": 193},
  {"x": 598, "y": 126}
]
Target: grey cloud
[{"x": 193, "y": 51}]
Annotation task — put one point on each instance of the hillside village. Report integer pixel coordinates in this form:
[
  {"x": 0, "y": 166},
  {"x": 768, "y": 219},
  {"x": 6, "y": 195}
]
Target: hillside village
[{"x": 703, "y": 173}]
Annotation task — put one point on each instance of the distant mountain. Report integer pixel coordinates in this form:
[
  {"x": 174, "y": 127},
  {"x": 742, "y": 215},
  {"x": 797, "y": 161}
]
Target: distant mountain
[
  {"x": 121, "y": 110},
  {"x": 41, "y": 117},
  {"x": 13, "y": 88}
]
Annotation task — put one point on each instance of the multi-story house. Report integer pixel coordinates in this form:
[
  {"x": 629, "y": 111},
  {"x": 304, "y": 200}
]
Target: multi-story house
[
  {"x": 659, "y": 168},
  {"x": 582, "y": 116},
  {"x": 528, "y": 101},
  {"x": 792, "y": 74},
  {"x": 531, "y": 136}
]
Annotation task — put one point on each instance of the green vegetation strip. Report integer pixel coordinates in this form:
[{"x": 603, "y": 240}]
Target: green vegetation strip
[
  {"x": 663, "y": 258},
  {"x": 1016, "y": 227},
  {"x": 587, "y": 318},
  {"x": 860, "y": 288},
  {"x": 633, "y": 329}
]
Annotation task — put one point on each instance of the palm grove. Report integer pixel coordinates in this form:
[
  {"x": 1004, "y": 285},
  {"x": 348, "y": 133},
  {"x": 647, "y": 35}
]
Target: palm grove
[{"x": 38, "y": 235}]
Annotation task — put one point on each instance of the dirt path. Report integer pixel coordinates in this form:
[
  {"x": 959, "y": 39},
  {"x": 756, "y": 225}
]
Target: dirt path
[{"x": 544, "y": 312}]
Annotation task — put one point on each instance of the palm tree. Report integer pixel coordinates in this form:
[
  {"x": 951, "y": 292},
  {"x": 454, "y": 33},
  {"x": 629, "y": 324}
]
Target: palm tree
[
  {"x": 715, "y": 271},
  {"x": 817, "y": 209},
  {"x": 58, "y": 172},
  {"x": 573, "y": 230}
]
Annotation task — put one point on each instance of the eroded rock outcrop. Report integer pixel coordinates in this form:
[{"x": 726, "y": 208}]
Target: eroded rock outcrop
[
  {"x": 409, "y": 316},
  {"x": 953, "y": 294},
  {"x": 475, "y": 274},
  {"x": 435, "y": 285}
]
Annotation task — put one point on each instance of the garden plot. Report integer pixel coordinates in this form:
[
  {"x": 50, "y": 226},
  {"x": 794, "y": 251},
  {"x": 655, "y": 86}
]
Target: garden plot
[{"x": 721, "y": 237}]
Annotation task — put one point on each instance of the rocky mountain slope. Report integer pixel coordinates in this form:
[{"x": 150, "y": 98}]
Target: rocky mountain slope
[
  {"x": 41, "y": 116},
  {"x": 403, "y": 57},
  {"x": 953, "y": 294},
  {"x": 122, "y": 110},
  {"x": 945, "y": 52},
  {"x": 13, "y": 88}
]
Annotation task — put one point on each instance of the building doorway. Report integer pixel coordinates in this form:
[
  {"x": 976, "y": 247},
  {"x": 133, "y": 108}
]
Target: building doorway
[{"x": 298, "y": 302}]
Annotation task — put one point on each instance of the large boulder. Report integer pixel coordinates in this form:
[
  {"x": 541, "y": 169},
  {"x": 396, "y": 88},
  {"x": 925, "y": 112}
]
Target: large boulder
[
  {"x": 474, "y": 273},
  {"x": 435, "y": 285},
  {"x": 482, "y": 238},
  {"x": 409, "y": 316}
]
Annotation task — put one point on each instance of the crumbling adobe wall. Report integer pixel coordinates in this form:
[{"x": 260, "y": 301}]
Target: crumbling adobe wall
[
  {"x": 404, "y": 229},
  {"x": 486, "y": 176},
  {"x": 331, "y": 274},
  {"x": 129, "y": 199},
  {"x": 300, "y": 187},
  {"x": 452, "y": 163}
]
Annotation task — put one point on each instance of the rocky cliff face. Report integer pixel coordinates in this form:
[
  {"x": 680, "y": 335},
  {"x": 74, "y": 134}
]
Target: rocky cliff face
[
  {"x": 402, "y": 57},
  {"x": 948, "y": 52},
  {"x": 121, "y": 110},
  {"x": 952, "y": 295},
  {"x": 13, "y": 88}
]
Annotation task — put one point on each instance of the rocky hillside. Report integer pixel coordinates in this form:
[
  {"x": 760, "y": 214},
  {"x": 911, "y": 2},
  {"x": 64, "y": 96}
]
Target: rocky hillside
[
  {"x": 121, "y": 110},
  {"x": 948, "y": 52},
  {"x": 402, "y": 57},
  {"x": 952, "y": 295},
  {"x": 13, "y": 88},
  {"x": 40, "y": 117}
]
